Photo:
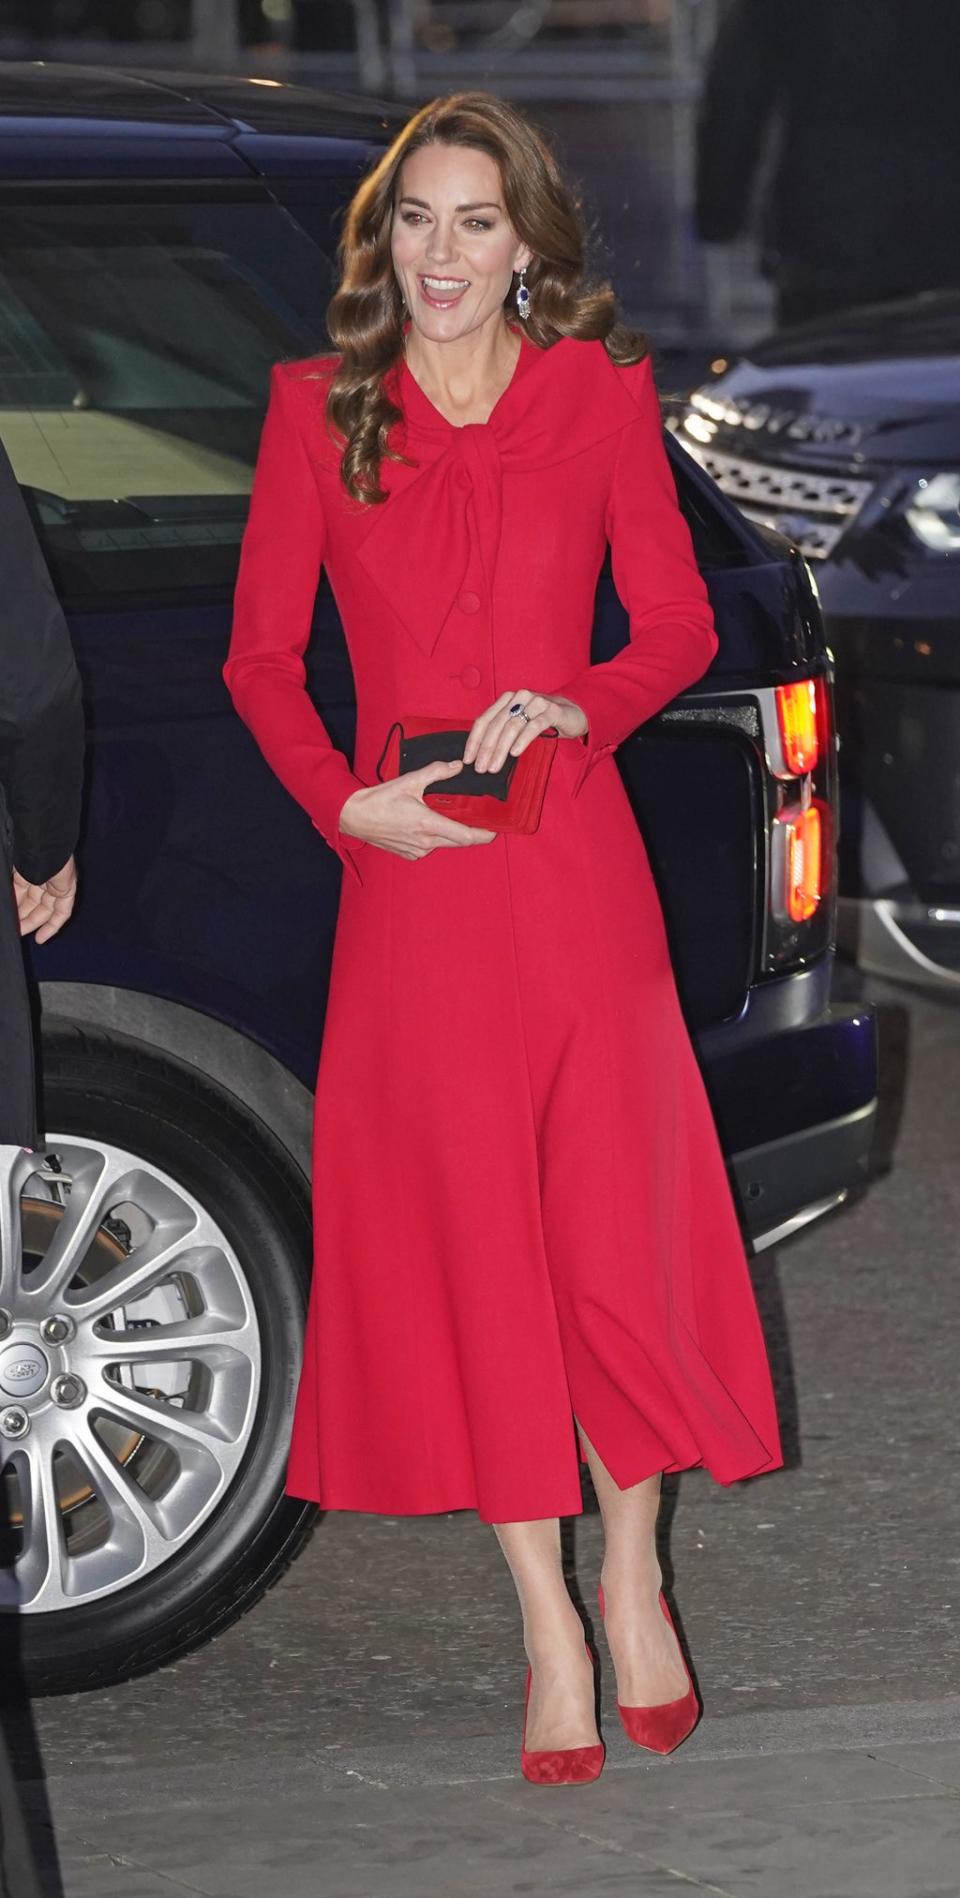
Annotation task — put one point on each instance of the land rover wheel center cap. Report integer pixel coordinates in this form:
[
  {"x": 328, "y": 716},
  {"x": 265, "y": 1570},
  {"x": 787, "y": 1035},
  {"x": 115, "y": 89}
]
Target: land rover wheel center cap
[{"x": 24, "y": 1370}]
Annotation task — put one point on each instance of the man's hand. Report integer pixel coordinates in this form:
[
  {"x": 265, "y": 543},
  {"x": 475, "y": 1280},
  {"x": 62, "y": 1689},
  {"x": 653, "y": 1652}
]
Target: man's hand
[{"x": 45, "y": 907}]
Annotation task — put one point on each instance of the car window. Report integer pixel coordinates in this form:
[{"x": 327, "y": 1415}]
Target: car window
[{"x": 135, "y": 348}]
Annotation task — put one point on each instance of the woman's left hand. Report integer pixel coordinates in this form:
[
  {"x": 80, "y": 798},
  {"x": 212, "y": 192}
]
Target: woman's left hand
[{"x": 494, "y": 735}]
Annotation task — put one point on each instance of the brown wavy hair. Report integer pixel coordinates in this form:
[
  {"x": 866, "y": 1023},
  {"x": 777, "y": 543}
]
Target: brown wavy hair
[{"x": 366, "y": 314}]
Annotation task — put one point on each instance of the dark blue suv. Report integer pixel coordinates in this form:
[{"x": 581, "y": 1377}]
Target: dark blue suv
[{"x": 163, "y": 241}]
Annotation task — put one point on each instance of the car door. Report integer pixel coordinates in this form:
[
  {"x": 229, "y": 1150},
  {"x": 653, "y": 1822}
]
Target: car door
[{"x": 139, "y": 327}]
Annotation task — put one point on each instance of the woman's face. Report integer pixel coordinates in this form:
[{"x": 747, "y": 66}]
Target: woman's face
[{"x": 453, "y": 250}]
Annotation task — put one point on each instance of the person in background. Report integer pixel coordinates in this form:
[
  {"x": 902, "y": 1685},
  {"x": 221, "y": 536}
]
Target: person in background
[
  {"x": 41, "y": 766},
  {"x": 862, "y": 190}
]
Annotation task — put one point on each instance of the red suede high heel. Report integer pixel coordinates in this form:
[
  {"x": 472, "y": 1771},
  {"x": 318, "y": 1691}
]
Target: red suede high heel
[
  {"x": 661, "y": 1728},
  {"x": 559, "y": 1766}
]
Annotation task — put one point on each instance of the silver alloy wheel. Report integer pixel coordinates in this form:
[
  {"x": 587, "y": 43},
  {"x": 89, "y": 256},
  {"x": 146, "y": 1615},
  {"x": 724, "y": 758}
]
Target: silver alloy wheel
[{"x": 130, "y": 1368}]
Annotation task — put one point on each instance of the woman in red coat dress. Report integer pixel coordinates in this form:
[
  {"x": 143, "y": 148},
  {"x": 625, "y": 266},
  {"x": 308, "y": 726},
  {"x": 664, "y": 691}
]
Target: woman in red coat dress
[{"x": 526, "y": 1247}]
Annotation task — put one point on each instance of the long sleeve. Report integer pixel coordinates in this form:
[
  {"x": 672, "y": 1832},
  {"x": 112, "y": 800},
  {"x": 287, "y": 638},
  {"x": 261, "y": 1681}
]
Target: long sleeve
[
  {"x": 672, "y": 634},
  {"x": 279, "y": 572},
  {"x": 41, "y": 713}
]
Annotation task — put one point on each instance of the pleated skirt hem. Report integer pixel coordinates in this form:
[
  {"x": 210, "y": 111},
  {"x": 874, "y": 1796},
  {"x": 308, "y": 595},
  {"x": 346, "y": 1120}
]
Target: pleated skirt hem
[{"x": 563, "y": 1502}]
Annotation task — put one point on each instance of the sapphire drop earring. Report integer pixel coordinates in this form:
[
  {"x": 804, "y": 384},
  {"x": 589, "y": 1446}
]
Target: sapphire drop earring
[{"x": 523, "y": 296}]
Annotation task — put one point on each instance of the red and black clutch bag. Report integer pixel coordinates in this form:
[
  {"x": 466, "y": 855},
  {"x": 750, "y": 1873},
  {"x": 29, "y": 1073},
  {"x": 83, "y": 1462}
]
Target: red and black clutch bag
[{"x": 508, "y": 799}]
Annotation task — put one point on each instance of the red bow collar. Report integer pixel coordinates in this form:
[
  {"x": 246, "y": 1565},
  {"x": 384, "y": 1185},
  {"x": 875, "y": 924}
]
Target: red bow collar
[{"x": 559, "y": 402}]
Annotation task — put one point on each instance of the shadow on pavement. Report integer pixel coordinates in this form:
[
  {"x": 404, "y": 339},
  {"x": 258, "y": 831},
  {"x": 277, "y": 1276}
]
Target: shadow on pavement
[{"x": 893, "y": 1034}]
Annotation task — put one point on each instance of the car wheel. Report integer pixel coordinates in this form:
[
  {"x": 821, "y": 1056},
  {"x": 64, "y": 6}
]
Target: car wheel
[{"x": 155, "y": 1262}]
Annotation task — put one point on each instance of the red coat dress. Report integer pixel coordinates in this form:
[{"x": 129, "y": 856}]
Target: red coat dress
[{"x": 522, "y": 1213}]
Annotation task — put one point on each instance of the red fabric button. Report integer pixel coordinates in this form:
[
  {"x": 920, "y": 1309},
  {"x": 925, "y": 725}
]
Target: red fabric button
[
  {"x": 470, "y": 675},
  {"x": 469, "y": 602}
]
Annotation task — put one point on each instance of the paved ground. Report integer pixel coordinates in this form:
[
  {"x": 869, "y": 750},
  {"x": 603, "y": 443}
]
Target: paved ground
[
  {"x": 356, "y": 1736},
  {"x": 865, "y": 1820}
]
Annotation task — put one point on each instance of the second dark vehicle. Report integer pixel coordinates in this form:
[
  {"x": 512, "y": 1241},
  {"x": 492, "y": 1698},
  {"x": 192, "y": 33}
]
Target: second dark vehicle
[{"x": 845, "y": 435}]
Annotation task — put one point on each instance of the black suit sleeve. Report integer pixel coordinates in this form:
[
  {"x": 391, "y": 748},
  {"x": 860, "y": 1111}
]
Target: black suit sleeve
[
  {"x": 41, "y": 715},
  {"x": 740, "y": 97}
]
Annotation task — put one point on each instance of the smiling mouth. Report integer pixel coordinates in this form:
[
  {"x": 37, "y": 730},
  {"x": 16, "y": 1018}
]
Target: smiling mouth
[{"x": 443, "y": 292}]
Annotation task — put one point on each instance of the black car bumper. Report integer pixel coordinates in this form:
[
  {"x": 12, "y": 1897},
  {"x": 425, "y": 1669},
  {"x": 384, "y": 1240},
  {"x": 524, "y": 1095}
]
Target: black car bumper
[
  {"x": 795, "y": 1103},
  {"x": 784, "y": 1184}
]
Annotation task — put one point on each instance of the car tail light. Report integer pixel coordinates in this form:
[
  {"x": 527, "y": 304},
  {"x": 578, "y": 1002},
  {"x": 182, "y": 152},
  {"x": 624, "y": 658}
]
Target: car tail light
[
  {"x": 803, "y": 864},
  {"x": 799, "y": 718},
  {"x": 800, "y": 755}
]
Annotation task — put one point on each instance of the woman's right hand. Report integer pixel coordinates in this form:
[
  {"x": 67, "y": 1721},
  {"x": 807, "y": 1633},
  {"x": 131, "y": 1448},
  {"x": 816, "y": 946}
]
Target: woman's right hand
[{"x": 394, "y": 816}]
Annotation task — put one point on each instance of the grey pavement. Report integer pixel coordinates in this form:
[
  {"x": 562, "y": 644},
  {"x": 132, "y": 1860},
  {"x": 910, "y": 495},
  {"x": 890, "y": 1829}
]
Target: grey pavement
[
  {"x": 357, "y": 1735},
  {"x": 771, "y": 1817}
]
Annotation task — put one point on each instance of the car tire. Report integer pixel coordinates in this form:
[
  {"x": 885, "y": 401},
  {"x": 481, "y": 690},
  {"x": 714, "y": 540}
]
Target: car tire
[{"x": 103, "y": 1087}]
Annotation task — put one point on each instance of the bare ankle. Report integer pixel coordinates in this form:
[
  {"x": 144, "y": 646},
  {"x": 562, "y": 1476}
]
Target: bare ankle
[
  {"x": 555, "y": 1640},
  {"x": 631, "y": 1574}
]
